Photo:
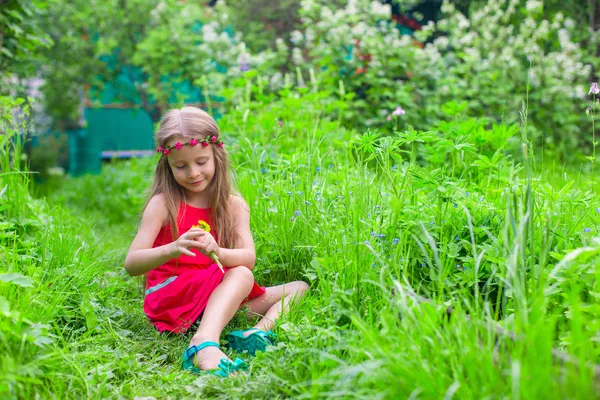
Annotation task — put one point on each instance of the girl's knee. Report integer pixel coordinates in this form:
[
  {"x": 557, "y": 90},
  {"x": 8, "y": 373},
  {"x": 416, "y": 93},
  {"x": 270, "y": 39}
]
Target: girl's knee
[
  {"x": 300, "y": 287},
  {"x": 242, "y": 274}
]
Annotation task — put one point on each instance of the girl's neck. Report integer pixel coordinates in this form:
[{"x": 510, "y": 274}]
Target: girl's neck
[{"x": 196, "y": 200}]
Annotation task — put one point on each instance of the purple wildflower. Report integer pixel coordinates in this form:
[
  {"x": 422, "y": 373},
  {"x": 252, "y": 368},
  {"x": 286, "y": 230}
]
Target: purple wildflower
[
  {"x": 398, "y": 111},
  {"x": 594, "y": 88},
  {"x": 587, "y": 230}
]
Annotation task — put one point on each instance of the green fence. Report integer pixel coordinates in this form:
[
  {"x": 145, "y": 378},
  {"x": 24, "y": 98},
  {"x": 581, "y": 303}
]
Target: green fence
[{"x": 110, "y": 133}]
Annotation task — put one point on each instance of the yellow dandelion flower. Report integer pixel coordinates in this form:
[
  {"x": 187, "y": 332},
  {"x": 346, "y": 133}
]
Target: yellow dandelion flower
[{"x": 202, "y": 225}]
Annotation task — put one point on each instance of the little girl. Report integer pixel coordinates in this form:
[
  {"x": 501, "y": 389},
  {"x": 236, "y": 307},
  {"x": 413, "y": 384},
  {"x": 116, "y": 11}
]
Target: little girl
[{"x": 192, "y": 226}]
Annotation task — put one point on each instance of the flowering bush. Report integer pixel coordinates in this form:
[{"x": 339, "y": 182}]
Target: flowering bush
[
  {"x": 488, "y": 61},
  {"x": 491, "y": 58}
]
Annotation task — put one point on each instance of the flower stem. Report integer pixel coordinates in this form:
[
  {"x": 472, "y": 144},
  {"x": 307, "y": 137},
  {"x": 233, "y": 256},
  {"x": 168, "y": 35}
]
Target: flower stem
[
  {"x": 214, "y": 257},
  {"x": 593, "y": 138}
]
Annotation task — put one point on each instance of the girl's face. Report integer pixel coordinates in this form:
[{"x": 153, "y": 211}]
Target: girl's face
[{"x": 193, "y": 166}]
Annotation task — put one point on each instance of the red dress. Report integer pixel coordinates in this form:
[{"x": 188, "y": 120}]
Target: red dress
[{"x": 177, "y": 291}]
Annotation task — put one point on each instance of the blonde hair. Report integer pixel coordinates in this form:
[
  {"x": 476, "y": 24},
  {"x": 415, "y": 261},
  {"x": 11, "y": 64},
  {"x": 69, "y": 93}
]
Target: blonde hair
[{"x": 184, "y": 124}]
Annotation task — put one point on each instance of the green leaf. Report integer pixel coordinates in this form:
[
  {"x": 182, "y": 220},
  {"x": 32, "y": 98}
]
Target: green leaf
[
  {"x": 4, "y": 306},
  {"x": 311, "y": 276},
  {"x": 6, "y": 52},
  {"x": 17, "y": 279},
  {"x": 87, "y": 309}
]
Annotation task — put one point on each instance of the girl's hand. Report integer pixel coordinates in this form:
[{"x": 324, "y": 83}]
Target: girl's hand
[
  {"x": 207, "y": 243},
  {"x": 186, "y": 242}
]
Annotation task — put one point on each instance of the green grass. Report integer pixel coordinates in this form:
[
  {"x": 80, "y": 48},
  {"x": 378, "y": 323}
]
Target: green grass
[{"x": 367, "y": 220}]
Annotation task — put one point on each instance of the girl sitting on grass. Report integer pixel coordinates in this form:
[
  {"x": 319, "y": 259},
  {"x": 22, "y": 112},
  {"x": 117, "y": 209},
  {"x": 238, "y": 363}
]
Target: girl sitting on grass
[{"x": 195, "y": 246}]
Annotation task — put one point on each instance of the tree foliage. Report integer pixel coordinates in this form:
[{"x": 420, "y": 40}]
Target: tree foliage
[
  {"x": 21, "y": 34},
  {"x": 150, "y": 53}
]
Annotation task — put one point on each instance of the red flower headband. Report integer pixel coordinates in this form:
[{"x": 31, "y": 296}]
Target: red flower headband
[{"x": 192, "y": 142}]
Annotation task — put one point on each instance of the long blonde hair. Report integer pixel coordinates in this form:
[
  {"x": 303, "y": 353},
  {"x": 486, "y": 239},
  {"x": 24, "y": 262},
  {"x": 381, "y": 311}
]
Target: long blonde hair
[{"x": 185, "y": 124}]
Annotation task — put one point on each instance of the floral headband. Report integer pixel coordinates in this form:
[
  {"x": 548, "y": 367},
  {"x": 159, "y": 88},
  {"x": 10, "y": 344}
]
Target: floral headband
[{"x": 192, "y": 142}]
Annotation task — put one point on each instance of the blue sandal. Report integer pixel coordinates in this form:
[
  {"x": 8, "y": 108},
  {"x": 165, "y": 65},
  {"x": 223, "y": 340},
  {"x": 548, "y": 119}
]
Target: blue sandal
[
  {"x": 226, "y": 366},
  {"x": 256, "y": 341}
]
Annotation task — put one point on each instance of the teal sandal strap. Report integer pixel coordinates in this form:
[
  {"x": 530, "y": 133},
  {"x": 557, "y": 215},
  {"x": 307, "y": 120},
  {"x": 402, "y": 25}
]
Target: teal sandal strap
[
  {"x": 188, "y": 355},
  {"x": 225, "y": 366},
  {"x": 231, "y": 366},
  {"x": 192, "y": 350}
]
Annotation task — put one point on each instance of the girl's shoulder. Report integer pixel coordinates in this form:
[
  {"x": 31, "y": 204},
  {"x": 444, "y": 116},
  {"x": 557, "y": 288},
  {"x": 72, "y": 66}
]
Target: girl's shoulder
[
  {"x": 156, "y": 207},
  {"x": 237, "y": 202},
  {"x": 158, "y": 200}
]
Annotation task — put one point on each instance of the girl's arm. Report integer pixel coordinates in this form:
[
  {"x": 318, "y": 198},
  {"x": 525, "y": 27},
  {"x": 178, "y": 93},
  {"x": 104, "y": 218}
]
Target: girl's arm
[
  {"x": 141, "y": 257},
  {"x": 244, "y": 253}
]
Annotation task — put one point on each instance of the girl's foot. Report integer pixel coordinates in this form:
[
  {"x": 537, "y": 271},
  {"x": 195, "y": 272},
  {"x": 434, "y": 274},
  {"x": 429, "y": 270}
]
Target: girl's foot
[
  {"x": 251, "y": 331},
  {"x": 209, "y": 357}
]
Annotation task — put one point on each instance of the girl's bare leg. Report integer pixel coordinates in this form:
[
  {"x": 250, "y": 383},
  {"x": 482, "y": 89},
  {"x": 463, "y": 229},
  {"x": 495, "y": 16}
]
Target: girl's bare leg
[
  {"x": 221, "y": 307},
  {"x": 275, "y": 301}
]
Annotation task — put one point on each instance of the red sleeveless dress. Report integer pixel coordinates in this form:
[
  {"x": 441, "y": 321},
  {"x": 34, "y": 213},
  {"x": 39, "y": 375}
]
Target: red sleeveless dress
[{"x": 177, "y": 291}]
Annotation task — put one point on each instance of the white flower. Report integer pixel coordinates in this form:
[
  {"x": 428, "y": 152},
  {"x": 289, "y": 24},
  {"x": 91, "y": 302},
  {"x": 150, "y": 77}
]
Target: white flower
[
  {"x": 379, "y": 10},
  {"x": 208, "y": 33},
  {"x": 472, "y": 52},
  {"x": 463, "y": 23},
  {"x": 579, "y": 92},
  {"x": 351, "y": 8},
  {"x": 296, "y": 37},
  {"x": 297, "y": 56},
  {"x": 533, "y": 5},
  {"x": 360, "y": 29}
]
